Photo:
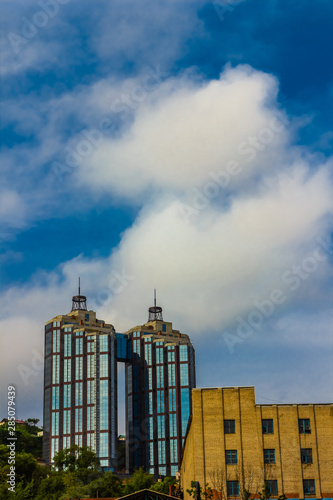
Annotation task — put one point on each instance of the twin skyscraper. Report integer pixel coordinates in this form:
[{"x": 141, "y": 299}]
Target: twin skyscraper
[{"x": 80, "y": 388}]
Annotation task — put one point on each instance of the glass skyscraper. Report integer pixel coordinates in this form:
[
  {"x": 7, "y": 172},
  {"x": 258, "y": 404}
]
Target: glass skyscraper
[
  {"x": 160, "y": 376},
  {"x": 80, "y": 388},
  {"x": 80, "y": 384}
]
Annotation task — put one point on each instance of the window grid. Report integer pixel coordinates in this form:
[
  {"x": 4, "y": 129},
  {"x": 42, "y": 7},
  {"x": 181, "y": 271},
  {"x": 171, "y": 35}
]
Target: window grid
[
  {"x": 79, "y": 346},
  {"x": 67, "y": 344},
  {"x": 231, "y": 456},
  {"x": 272, "y": 486},
  {"x": 56, "y": 341},
  {"x": 306, "y": 455},
  {"x": 184, "y": 374},
  {"x": 269, "y": 456},
  {"x": 183, "y": 354},
  {"x": 78, "y": 420},
  {"x": 103, "y": 343},
  {"x": 67, "y": 395},
  {"x": 161, "y": 426},
  {"x": 78, "y": 394},
  {"x": 304, "y": 426},
  {"x": 309, "y": 486},
  {"x": 55, "y": 368},
  {"x": 79, "y": 368},
  {"x": 67, "y": 422},
  {"x": 232, "y": 488},
  {"x": 171, "y": 375},
  {"x": 185, "y": 405},
  {"x": 172, "y": 400},
  {"x": 229, "y": 427},
  {"x": 267, "y": 426},
  {"x": 67, "y": 370},
  {"x": 160, "y": 377}
]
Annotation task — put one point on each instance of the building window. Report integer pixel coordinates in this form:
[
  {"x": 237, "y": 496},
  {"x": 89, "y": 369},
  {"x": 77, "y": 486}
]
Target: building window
[
  {"x": 172, "y": 400},
  {"x": 86, "y": 317},
  {"x": 160, "y": 402},
  {"x": 183, "y": 353},
  {"x": 267, "y": 426},
  {"x": 306, "y": 455},
  {"x": 309, "y": 486},
  {"x": 55, "y": 369},
  {"x": 173, "y": 424},
  {"x": 67, "y": 344},
  {"x": 161, "y": 452},
  {"x": 304, "y": 426},
  {"x": 171, "y": 374},
  {"x": 160, "y": 427},
  {"x": 173, "y": 451},
  {"x": 272, "y": 486},
  {"x": 159, "y": 354},
  {"x": 103, "y": 343},
  {"x": 229, "y": 427},
  {"x": 47, "y": 343},
  {"x": 184, "y": 374},
  {"x": 232, "y": 488},
  {"x": 78, "y": 394},
  {"x": 231, "y": 456},
  {"x": 171, "y": 354},
  {"x": 185, "y": 406},
  {"x": 79, "y": 346},
  {"x": 269, "y": 456},
  {"x": 164, "y": 328},
  {"x": 159, "y": 377}
]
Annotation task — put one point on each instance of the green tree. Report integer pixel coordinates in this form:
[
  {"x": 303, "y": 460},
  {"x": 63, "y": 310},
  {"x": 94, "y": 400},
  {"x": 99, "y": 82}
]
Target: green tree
[
  {"x": 205, "y": 491},
  {"x": 51, "y": 487},
  {"x": 164, "y": 486},
  {"x": 109, "y": 485},
  {"x": 81, "y": 461},
  {"x": 139, "y": 481}
]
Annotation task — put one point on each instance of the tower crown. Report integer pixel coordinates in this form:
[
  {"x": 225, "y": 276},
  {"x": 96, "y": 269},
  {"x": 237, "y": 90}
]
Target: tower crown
[
  {"x": 79, "y": 302},
  {"x": 155, "y": 312}
]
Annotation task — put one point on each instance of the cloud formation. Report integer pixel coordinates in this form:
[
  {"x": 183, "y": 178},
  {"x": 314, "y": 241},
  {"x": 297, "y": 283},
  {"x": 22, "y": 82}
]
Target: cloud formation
[{"x": 213, "y": 246}]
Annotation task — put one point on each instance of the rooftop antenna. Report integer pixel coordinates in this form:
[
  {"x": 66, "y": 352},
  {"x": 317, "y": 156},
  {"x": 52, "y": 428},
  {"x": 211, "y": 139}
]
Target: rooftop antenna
[
  {"x": 155, "y": 312},
  {"x": 79, "y": 302}
]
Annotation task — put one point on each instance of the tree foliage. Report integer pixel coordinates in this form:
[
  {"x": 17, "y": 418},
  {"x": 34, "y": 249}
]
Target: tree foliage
[
  {"x": 139, "y": 481},
  {"x": 205, "y": 492}
]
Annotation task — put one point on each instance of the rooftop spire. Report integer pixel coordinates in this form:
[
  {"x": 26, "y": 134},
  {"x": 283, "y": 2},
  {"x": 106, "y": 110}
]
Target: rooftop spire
[
  {"x": 79, "y": 301},
  {"x": 155, "y": 312}
]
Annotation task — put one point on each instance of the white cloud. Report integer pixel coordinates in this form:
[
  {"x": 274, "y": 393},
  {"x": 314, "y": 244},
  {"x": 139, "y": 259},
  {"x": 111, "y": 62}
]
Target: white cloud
[
  {"x": 186, "y": 129},
  {"x": 208, "y": 268}
]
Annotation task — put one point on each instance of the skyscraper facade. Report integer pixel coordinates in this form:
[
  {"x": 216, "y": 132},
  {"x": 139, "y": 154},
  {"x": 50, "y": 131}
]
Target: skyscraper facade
[
  {"x": 80, "y": 388},
  {"x": 160, "y": 376},
  {"x": 80, "y": 384}
]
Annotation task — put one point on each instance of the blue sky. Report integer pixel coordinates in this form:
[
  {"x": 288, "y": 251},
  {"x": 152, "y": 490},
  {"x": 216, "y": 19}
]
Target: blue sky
[{"x": 183, "y": 145}]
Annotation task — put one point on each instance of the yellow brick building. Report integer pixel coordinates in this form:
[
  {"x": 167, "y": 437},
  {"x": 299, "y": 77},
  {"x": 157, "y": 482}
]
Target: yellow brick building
[{"x": 233, "y": 444}]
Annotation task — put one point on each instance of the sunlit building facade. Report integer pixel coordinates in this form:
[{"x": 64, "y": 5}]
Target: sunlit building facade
[{"x": 80, "y": 384}]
